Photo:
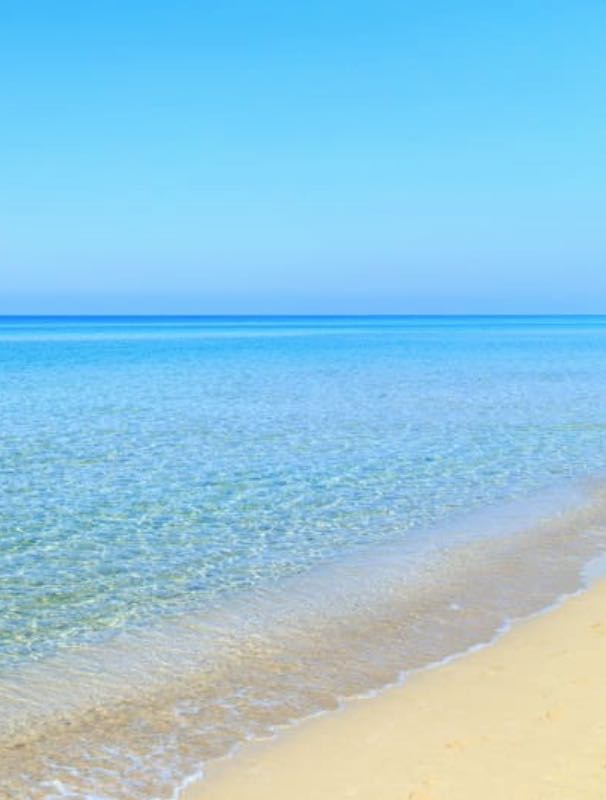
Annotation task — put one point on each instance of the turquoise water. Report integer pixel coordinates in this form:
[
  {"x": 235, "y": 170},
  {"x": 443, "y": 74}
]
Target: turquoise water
[{"x": 154, "y": 468}]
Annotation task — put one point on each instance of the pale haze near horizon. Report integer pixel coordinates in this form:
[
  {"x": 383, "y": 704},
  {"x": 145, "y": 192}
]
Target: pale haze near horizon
[{"x": 302, "y": 158}]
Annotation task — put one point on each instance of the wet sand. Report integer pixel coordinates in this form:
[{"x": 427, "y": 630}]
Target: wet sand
[{"x": 524, "y": 718}]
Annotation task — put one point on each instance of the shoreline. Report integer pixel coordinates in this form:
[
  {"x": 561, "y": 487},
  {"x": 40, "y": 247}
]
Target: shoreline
[
  {"x": 374, "y": 626},
  {"x": 521, "y": 716}
]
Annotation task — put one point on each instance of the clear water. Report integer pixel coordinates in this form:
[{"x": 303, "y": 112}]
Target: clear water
[{"x": 162, "y": 469}]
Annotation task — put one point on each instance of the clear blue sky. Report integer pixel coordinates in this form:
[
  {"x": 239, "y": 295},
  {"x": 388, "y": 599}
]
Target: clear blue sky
[{"x": 308, "y": 156}]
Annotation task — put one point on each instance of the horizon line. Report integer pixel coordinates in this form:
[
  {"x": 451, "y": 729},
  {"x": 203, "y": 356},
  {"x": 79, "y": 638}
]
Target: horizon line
[{"x": 252, "y": 315}]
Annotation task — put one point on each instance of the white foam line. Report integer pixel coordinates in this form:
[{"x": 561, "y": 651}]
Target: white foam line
[{"x": 593, "y": 571}]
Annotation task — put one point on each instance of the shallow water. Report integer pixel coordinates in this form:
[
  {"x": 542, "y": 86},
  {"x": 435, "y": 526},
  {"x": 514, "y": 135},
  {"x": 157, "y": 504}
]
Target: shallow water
[{"x": 203, "y": 520}]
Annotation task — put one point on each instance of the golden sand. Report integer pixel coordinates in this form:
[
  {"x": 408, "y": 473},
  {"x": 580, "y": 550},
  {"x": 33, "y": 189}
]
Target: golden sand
[{"x": 523, "y": 719}]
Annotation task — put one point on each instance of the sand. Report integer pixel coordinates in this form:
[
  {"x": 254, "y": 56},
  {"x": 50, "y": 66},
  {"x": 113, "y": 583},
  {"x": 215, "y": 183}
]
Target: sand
[{"x": 523, "y": 719}]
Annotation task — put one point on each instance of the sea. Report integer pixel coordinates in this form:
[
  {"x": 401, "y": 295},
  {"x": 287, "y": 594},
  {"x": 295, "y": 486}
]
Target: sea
[{"x": 214, "y": 527}]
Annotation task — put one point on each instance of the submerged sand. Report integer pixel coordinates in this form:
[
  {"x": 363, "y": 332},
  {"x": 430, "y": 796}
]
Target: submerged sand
[{"x": 524, "y": 718}]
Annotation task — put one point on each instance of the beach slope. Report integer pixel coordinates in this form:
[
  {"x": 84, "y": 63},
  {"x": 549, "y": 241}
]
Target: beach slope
[{"x": 524, "y": 718}]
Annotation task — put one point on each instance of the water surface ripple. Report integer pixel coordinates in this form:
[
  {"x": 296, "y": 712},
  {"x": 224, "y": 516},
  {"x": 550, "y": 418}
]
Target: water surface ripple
[{"x": 190, "y": 506}]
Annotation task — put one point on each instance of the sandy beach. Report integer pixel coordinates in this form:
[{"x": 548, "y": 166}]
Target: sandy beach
[{"x": 524, "y": 718}]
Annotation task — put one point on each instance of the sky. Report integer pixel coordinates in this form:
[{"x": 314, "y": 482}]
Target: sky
[{"x": 302, "y": 157}]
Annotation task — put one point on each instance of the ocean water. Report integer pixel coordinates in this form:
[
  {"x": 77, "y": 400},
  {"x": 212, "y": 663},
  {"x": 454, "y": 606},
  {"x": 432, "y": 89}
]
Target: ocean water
[{"x": 211, "y": 527}]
